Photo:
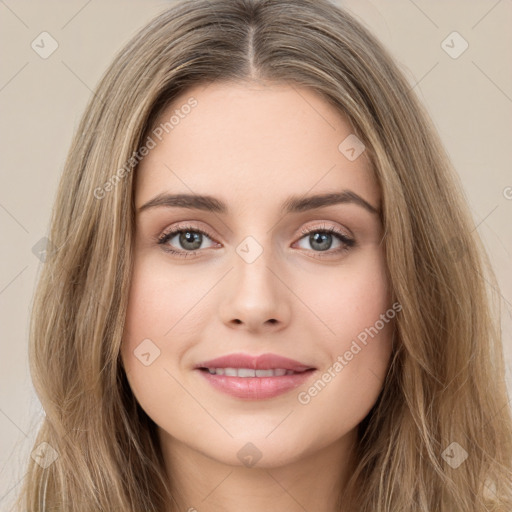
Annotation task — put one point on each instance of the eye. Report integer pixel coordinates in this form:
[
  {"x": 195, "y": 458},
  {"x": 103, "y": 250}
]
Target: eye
[
  {"x": 321, "y": 240},
  {"x": 190, "y": 240}
]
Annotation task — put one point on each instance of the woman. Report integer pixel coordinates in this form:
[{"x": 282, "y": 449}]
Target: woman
[{"x": 267, "y": 291}]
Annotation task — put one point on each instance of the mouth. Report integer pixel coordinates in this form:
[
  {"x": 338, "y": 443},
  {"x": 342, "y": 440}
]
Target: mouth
[
  {"x": 247, "y": 365},
  {"x": 254, "y": 377},
  {"x": 251, "y": 372}
]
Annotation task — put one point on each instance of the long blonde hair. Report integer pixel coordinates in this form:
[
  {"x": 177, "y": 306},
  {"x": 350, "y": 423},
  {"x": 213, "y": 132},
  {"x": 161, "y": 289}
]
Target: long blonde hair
[{"x": 444, "y": 396}]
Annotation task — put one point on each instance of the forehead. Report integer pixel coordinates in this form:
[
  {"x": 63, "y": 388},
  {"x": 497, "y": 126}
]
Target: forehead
[{"x": 248, "y": 143}]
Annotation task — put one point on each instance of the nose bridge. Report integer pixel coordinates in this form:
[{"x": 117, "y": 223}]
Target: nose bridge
[
  {"x": 252, "y": 259},
  {"x": 254, "y": 295}
]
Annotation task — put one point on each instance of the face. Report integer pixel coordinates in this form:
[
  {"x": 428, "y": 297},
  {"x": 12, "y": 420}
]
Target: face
[{"x": 259, "y": 268}]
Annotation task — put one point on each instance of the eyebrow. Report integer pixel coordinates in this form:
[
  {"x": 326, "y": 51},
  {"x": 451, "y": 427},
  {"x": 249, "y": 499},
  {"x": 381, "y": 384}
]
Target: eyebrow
[{"x": 293, "y": 204}]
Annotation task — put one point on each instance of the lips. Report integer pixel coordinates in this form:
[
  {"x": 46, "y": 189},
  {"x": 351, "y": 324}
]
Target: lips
[
  {"x": 254, "y": 377},
  {"x": 248, "y": 362}
]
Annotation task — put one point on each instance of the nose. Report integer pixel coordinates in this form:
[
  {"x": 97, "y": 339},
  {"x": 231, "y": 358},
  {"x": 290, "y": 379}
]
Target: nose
[{"x": 255, "y": 296}]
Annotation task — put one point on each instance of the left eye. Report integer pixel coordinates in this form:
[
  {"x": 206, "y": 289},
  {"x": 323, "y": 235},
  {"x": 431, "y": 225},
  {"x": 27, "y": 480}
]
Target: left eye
[
  {"x": 190, "y": 240},
  {"x": 322, "y": 239}
]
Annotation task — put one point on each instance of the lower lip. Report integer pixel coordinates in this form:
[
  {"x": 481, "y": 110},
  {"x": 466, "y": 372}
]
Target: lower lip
[{"x": 256, "y": 388}]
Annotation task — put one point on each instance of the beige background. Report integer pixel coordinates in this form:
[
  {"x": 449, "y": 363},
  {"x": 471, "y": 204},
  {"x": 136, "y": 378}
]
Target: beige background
[{"x": 469, "y": 99}]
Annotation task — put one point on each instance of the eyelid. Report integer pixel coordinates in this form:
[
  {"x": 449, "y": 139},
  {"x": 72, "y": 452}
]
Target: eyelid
[
  {"x": 329, "y": 226},
  {"x": 183, "y": 226}
]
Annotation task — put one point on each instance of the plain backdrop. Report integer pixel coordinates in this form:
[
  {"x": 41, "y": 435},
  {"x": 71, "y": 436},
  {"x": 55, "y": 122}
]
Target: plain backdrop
[{"x": 467, "y": 93}]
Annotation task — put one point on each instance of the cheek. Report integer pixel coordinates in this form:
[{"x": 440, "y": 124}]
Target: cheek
[
  {"x": 145, "y": 312},
  {"x": 143, "y": 348},
  {"x": 159, "y": 298},
  {"x": 165, "y": 308},
  {"x": 356, "y": 306},
  {"x": 150, "y": 367},
  {"x": 349, "y": 298}
]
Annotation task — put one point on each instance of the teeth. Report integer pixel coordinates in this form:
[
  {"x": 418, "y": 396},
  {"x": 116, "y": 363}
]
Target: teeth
[
  {"x": 265, "y": 373},
  {"x": 249, "y": 372}
]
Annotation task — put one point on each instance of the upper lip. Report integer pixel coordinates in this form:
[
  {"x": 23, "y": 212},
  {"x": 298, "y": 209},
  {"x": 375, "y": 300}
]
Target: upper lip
[{"x": 260, "y": 362}]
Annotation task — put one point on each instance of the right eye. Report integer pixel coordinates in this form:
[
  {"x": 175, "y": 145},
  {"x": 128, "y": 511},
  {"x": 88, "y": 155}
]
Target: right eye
[{"x": 190, "y": 238}]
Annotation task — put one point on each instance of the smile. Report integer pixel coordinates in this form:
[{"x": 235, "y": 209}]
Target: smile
[
  {"x": 250, "y": 384},
  {"x": 249, "y": 372}
]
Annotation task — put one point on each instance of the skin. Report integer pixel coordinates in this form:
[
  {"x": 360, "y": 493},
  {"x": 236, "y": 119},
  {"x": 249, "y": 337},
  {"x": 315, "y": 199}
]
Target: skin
[{"x": 253, "y": 146}]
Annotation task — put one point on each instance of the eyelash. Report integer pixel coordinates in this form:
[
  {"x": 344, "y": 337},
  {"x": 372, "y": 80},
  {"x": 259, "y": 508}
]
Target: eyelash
[{"x": 347, "y": 242}]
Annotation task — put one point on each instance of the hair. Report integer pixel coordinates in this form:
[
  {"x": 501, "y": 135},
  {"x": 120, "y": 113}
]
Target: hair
[{"x": 446, "y": 378}]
